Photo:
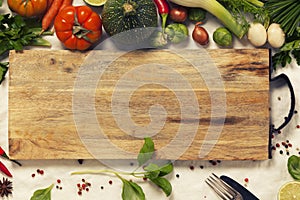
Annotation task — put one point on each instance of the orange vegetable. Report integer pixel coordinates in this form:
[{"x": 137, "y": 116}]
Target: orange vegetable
[
  {"x": 49, "y": 4},
  {"x": 78, "y": 27},
  {"x": 51, "y": 13},
  {"x": 65, "y": 4},
  {"x": 28, "y": 8}
]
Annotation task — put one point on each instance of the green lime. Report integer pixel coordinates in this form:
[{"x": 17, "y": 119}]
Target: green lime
[
  {"x": 290, "y": 191},
  {"x": 95, "y": 2}
]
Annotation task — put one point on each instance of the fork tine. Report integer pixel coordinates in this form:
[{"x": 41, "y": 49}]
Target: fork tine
[
  {"x": 219, "y": 193},
  {"x": 219, "y": 185},
  {"x": 223, "y": 190},
  {"x": 227, "y": 187}
]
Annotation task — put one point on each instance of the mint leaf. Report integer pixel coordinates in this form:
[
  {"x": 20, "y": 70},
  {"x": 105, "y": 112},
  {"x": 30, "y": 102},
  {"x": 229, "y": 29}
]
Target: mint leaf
[
  {"x": 42, "y": 194},
  {"x": 3, "y": 70},
  {"x": 164, "y": 184},
  {"x": 132, "y": 191},
  {"x": 146, "y": 151},
  {"x": 294, "y": 167}
]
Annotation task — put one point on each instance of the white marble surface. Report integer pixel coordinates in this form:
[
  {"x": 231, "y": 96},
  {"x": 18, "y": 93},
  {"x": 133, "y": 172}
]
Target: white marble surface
[{"x": 265, "y": 177}]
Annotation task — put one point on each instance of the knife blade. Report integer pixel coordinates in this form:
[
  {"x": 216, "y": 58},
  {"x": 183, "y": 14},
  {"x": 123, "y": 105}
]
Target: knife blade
[{"x": 247, "y": 195}]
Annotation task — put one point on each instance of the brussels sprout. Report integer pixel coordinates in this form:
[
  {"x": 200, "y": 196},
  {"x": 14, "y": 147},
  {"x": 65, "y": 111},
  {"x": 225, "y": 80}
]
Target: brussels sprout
[
  {"x": 197, "y": 14},
  {"x": 222, "y": 37},
  {"x": 158, "y": 39},
  {"x": 176, "y": 32}
]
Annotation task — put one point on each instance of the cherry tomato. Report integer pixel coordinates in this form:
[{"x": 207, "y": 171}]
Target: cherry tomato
[
  {"x": 78, "y": 27},
  {"x": 178, "y": 14},
  {"x": 200, "y": 35},
  {"x": 28, "y": 8}
]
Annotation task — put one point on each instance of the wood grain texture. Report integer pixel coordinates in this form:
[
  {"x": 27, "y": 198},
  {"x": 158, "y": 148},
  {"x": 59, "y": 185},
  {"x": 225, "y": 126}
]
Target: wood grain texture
[{"x": 60, "y": 102}]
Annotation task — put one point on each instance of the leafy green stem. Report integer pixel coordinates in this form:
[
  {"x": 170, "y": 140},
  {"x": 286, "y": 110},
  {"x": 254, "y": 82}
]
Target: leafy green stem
[
  {"x": 151, "y": 171},
  {"x": 135, "y": 174}
]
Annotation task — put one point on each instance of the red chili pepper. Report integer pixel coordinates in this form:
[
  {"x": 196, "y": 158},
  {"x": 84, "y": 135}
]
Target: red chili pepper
[
  {"x": 4, "y": 155},
  {"x": 163, "y": 10},
  {"x": 4, "y": 169}
]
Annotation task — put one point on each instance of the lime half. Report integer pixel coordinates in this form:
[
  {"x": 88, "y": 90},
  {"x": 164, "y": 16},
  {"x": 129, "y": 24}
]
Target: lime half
[
  {"x": 290, "y": 191},
  {"x": 95, "y": 2}
]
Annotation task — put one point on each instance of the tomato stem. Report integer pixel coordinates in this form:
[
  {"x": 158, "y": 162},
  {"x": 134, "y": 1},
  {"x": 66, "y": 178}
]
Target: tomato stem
[{"x": 79, "y": 31}]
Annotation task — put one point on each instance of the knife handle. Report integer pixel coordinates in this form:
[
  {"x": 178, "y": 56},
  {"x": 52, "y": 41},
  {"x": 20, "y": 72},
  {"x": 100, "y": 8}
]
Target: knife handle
[{"x": 247, "y": 195}]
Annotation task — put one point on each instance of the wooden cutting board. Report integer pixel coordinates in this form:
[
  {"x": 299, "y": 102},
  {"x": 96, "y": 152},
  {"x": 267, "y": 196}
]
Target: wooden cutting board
[{"x": 195, "y": 104}]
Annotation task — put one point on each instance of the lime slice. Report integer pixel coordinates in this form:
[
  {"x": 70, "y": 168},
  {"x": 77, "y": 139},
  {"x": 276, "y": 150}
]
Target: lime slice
[
  {"x": 95, "y": 2},
  {"x": 290, "y": 191}
]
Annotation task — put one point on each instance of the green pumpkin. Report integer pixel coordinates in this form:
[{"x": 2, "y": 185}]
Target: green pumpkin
[{"x": 129, "y": 21}]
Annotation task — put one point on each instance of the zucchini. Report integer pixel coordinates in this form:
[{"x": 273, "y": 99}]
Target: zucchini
[{"x": 129, "y": 21}]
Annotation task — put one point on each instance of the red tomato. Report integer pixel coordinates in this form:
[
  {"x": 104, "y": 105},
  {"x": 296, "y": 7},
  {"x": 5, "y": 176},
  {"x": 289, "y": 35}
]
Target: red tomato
[
  {"x": 28, "y": 8},
  {"x": 78, "y": 27}
]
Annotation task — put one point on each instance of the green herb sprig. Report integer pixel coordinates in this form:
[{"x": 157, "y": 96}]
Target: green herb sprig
[
  {"x": 15, "y": 33},
  {"x": 152, "y": 171},
  {"x": 289, "y": 49}
]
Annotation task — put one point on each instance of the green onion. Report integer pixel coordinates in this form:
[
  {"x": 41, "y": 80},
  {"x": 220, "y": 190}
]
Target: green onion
[
  {"x": 219, "y": 11},
  {"x": 286, "y": 13}
]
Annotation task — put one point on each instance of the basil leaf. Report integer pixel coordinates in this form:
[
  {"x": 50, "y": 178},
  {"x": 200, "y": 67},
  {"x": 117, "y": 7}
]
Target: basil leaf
[
  {"x": 3, "y": 70},
  {"x": 166, "y": 169},
  {"x": 42, "y": 194},
  {"x": 132, "y": 191},
  {"x": 146, "y": 151},
  {"x": 0, "y": 3},
  {"x": 153, "y": 171},
  {"x": 164, "y": 184},
  {"x": 294, "y": 167}
]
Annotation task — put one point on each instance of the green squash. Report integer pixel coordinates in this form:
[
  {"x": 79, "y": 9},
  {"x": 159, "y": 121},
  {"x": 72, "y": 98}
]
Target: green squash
[{"x": 129, "y": 21}]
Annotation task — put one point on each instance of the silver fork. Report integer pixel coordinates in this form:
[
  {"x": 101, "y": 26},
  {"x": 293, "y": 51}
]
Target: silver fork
[{"x": 223, "y": 190}]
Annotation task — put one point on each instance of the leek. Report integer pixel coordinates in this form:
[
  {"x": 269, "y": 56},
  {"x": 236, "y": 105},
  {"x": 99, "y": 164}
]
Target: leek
[{"x": 219, "y": 11}]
